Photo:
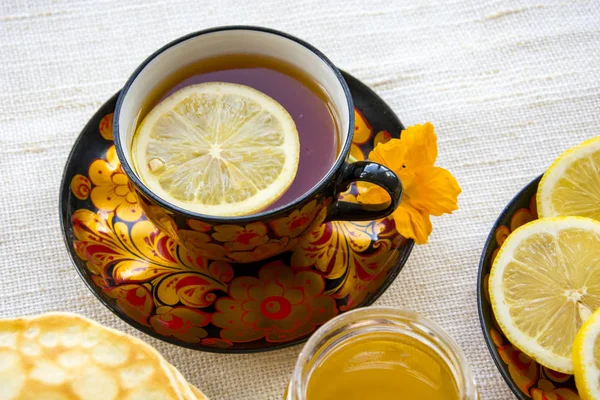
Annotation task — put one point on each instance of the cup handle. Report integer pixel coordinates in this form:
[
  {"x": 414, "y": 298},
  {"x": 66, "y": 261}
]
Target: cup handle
[{"x": 366, "y": 171}]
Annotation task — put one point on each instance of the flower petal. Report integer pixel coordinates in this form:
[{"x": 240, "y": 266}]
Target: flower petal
[
  {"x": 390, "y": 154},
  {"x": 323, "y": 308},
  {"x": 362, "y": 129},
  {"x": 257, "y": 227},
  {"x": 311, "y": 283},
  {"x": 105, "y": 198},
  {"x": 128, "y": 212},
  {"x": 373, "y": 195},
  {"x": 100, "y": 173},
  {"x": 271, "y": 288},
  {"x": 112, "y": 158},
  {"x": 435, "y": 191},
  {"x": 120, "y": 179},
  {"x": 412, "y": 224},
  {"x": 227, "y": 233},
  {"x": 294, "y": 296},
  {"x": 420, "y": 143}
]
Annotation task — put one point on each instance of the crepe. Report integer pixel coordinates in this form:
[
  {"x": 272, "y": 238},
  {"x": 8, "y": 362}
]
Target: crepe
[{"x": 60, "y": 356}]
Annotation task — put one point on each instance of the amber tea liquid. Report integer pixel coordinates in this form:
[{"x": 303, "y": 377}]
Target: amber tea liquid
[{"x": 303, "y": 98}]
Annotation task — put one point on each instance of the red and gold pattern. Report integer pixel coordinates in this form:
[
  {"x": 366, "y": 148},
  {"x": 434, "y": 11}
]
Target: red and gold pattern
[
  {"x": 523, "y": 370},
  {"x": 297, "y": 222},
  {"x": 546, "y": 390},
  {"x": 279, "y": 305},
  {"x": 239, "y": 243},
  {"x": 135, "y": 300},
  {"x": 111, "y": 191},
  {"x": 172, "y": 288},
  {"x": 161, "y": 219},
  {"x": 106, "y": 127},
  {"x": 363, "y": 133},
  {"x": 81, "y": 186},
  {"x": 241, "y": 238},
  {"x": 181, "y": 322},
  {"x": 264, "y": 251},
  {"x": 535, "y": 381},
  {"x": 353, "y": 254}
]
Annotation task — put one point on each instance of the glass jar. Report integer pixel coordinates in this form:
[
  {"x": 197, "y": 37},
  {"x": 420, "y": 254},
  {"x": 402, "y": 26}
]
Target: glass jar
[{"x": 388, "y": 321}]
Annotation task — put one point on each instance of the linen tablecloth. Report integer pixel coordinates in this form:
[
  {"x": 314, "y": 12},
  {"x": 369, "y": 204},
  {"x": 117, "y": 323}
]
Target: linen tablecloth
[{"x": 508, "y": 85}]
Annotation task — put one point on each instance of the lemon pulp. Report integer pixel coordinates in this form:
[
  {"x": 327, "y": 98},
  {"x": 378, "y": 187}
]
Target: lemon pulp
[{"x": 217, "y": 148}]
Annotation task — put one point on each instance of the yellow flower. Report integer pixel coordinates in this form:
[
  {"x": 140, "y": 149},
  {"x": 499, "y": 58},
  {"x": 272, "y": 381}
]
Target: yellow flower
[{"x": 428, "y": 190}]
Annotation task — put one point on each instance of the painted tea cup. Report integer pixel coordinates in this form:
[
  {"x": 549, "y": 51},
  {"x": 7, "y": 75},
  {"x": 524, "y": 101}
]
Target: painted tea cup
[{"x": 265, "y": 234}]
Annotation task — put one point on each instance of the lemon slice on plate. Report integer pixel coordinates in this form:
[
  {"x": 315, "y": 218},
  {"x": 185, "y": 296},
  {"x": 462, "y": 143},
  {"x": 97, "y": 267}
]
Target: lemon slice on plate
[
  {"x": 544, "y": 284},
  {"x": 217, "y": 148},
  {"x": 571, "y": 186},
  {"x": 586, "y": 358}
]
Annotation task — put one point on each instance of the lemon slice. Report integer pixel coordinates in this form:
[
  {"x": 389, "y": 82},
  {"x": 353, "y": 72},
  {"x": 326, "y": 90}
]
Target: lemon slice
[
  {"x": 571, "y": 186},
  {"x": 217, "y": 148},
  {"x": 586, "y": 358},
  {"x": 544, "y": 284}
]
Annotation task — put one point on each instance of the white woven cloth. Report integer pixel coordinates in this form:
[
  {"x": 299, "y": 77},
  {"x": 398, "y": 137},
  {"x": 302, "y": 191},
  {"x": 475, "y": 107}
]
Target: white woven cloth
[{"x": 509, "y": 84}]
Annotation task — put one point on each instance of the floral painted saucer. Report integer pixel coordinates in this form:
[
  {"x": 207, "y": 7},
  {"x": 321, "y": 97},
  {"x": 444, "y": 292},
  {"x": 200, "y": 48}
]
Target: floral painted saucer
[
  {"x": 178, "y": 296},
  {"x": 525, "y": 377}
]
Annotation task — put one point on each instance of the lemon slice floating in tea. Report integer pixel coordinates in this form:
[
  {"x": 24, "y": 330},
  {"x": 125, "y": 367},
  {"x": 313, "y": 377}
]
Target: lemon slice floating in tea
[
  {"x": 544, "y": 284},
  {"x": 218, "y": 148},
  {"x": 586, "y": 358},
  {"x": 571, "y": 186}
]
